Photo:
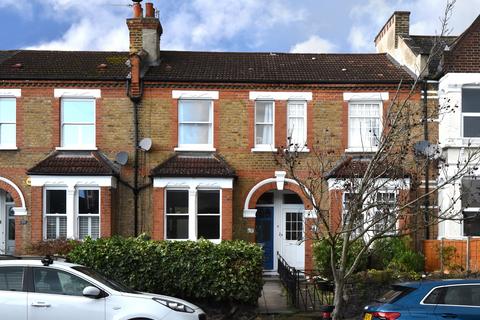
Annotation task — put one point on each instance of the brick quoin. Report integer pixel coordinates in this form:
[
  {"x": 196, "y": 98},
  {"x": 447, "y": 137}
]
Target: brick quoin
[
  {"x": 158, "y": 226},
  {"x": 106, "y": 212},
  {"x": 227, "y": 214}
]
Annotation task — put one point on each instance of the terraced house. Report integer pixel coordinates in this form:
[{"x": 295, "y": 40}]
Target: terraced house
[{"x": 176, "y": 144}]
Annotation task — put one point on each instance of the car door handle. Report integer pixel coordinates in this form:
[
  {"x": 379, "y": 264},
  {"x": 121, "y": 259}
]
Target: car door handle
[
  {"x": 40, "y": 304},
  {"x": 449, "y": 315}
]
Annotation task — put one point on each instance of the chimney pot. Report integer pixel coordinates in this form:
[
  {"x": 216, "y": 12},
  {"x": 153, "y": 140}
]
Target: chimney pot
[
  {"x": 149, "y": 10},
  {"x": 137, "y": 10}
]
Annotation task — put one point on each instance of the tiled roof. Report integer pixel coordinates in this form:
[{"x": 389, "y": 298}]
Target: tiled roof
[
  {"x": 79, "y": 163},
  {"x": 276, "y": 68},
  {"x": 185, "y": 66},
  {"x": 194, "y": 165},
  {"x": 356, "y": 166},
  {"x": 424, "y": 44},
  {"x": 64, "y": 65}
]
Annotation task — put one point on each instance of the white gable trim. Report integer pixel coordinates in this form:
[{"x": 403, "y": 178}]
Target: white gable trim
[
  {"x": 190, "y": 94},
  {"x": 192, "y": 183},
  {"x": 17, "y": 93},
  {"x": 73, "y": 181},
  {"x": 372, "y": 96},
  {"x": 77, "y": 93},
  {"x": 268, "y": 95}
]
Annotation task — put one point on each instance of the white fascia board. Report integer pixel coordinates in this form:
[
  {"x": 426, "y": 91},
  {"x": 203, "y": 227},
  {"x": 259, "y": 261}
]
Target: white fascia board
[
  {"x": 77, "y": 93},
  {"x": 453, "y": 82},
  {"x": 365, "y": 96},
  {"x": 192, "y": 183},
  {"x": 279, "y": 96},
  {"x": 387, "y": 184},
  {"x": 15, "y": 93},
  {"x": 191, "y": 94},
  {"x": 74, "y": 181}
]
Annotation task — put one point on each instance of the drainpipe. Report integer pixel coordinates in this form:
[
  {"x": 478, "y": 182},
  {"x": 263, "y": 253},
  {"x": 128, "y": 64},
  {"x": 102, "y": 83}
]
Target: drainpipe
[{"x": 427, "y": 164}]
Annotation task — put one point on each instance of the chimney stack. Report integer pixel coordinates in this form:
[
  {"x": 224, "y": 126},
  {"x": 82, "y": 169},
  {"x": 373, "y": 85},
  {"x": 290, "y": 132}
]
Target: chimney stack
[
  {"x": 397, "y": 25},
  {"x": 145, "y": 32}
]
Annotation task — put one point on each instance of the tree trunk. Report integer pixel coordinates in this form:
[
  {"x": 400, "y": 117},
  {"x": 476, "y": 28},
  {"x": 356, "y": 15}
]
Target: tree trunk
[{"x": 338, "y": 298}]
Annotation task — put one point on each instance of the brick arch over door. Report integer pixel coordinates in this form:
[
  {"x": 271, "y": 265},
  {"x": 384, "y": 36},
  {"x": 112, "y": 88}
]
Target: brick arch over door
[
  {"x": 271, "y": 184},
  {"x": 17, "y": 195}
]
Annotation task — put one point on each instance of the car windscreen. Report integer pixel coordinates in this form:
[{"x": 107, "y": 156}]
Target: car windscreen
[
  {"x": 115, "y": 285},
  {"x": 394, "y": 294}
]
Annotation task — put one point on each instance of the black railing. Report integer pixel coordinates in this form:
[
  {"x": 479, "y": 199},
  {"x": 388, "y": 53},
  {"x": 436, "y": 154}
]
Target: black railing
[{"x": 306, "y": 290}]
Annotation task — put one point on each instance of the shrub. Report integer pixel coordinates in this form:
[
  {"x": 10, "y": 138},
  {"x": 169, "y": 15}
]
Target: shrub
[
  {"x": 321, "y": 255},
  {"x": 396, "y": 254},
  {"x": 58, "y": 247},
  {"x": 230, "y": 271}
]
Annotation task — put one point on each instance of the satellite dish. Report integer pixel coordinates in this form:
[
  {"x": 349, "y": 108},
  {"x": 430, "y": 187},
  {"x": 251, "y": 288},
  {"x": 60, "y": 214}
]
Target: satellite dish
[
  {"x": 427, "y": 149},
  {"x": 121, "y": 158},
  {"x": 145, "y": 144}
]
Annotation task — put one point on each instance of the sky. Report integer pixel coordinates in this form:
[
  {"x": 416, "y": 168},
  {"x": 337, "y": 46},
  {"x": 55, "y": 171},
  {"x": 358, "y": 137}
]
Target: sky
[{"x": 317, "y": 26}]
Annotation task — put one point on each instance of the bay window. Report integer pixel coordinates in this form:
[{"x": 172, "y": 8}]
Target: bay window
[
  {"x": 88, "y": 213},
  {"x": 177, "y": 214},
  {"x": 471, "y": 112},
  {"x": 55, "y": 213},
  {"x": 470, "y": 198}
]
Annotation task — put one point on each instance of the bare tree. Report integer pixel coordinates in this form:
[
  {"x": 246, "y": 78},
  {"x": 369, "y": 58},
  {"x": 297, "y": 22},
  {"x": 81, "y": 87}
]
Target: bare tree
[{"x": 375, "y": 190}]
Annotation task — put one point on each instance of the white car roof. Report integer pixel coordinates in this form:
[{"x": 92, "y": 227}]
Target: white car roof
[{"x": 35, "y": 262}]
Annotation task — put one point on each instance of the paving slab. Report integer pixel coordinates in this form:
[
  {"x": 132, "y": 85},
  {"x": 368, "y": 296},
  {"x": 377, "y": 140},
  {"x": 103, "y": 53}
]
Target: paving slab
[{"x": 274, "y": 298}]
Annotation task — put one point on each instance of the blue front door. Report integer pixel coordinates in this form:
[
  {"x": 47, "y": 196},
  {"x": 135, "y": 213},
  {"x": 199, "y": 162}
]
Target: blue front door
[{"x": 264, "y": 234}]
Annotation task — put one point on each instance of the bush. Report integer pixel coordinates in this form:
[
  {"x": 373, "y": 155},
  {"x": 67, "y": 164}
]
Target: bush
[
  {"x": 396, "y": 254},
  {"x": 57, "y": 247},
  {"x": 321, "y": 255},
  {"x": 230, "y": 271}
]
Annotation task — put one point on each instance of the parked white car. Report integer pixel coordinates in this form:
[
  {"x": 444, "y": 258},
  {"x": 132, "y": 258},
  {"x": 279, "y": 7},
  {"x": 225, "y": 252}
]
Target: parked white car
[{"x": 46, "y": 290}]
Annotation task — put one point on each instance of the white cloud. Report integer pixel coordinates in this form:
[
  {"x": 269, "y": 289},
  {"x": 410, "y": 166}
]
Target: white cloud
[
  {"x": 314, "y": 44},
  {"x": 359, "y": 40}
]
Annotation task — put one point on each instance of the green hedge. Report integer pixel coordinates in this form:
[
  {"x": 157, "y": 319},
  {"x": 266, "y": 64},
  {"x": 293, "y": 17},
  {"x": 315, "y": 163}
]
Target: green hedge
[{"x": 201, "y": 270}]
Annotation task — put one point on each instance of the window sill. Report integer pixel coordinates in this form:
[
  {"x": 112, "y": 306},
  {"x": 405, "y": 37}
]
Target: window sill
[
  {"x": 12, "y": 148},
  {"x": 211, "y": 149},
  {"x": 299, "y": 150},
  {"x": 264, "y": 149},
  {"x": 364, "y": 150},
  {"x": 215, "y": 241},
  {"x": 76, "y": 148}
]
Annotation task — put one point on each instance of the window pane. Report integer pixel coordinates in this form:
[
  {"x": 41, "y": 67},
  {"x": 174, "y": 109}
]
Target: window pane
[
  {"x": 70, "y": 135},
  {"x": 264, "y": 111},
  {"x": 264, "y": 134},
  {"x": 7, "y": 110},
  {"x": 209, "y": 227},
  {"x": 461, "y": 296},
  {"x": 471, "y": 127},
  {"x": 87, "y": 133},
  {"x": 11, "y": 278},
  {"x": 195, "y": 134},
  {"x": 177, "y": 227},
  {"x": 11, "y": 223},
  {"x": 88, "y": 201},
  {"x": 266, "y": 198},
  {"x": 296, "y": 109},
  {"x": 194, "y": 110},
  {"x": 52, "y": 223},
  {"x": 296, "y": 131},
  {"x": 8, "y": 134},
  {"x": 471, "y": 223},
  {"x": 208, "y": 201},
  {"x": 56, "y": 201},
  {"x": 470, "y": 194},
  {"x": 78, "y": 110},
  {"x": 294, "y": 226},
  {"x": 88, "y": 226},
  {"x": 177, "y": 201},
  {"x": 58, "y": 282},
  {"x": 292, "y": 198},
  {"x": 471, "y": 100}
]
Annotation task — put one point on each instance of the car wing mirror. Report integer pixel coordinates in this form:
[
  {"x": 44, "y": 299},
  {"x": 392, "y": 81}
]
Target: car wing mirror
[{"x": 92, "y": 292}]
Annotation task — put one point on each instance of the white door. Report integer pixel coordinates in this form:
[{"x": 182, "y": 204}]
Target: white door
[
  {"x": 58, "y": 295},
  {"x": 292, "y": 236}
]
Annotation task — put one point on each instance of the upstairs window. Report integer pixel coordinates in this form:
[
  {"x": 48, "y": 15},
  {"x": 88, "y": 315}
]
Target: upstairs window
[
  {"x": 364, "y": 125},
  {"x": 471, "y": 112},
  {"x": 8, "y": 121},
  {"x": 296, "y": 123},
  {"x": 264, "y": 128},
  {"x": 78, "y": 123},
  {"x": 195, "y": 124}
]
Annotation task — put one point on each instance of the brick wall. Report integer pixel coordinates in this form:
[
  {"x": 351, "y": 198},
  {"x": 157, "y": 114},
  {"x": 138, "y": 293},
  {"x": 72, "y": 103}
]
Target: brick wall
[{"x": 465, "y": 54}]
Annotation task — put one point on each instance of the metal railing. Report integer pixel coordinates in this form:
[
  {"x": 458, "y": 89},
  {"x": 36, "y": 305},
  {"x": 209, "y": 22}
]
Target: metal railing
[{"x": 306, "y": 290}]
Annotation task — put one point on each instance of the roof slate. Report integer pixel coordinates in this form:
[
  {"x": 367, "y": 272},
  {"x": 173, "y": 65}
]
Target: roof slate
[
  {"x": 187, "y": 66},
  {"x": 194, "y": 165},
  {"x": 424, "y": 44},
  {"x": 78, "y": 163},
  {"x": 356, "y": 166}
]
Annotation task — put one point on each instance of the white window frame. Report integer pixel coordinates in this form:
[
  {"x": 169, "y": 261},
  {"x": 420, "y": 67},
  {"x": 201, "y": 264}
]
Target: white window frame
[
  {"x": 89, "y": 216},
  {"x": 468, "y": 114},
  {"x": 375, "y": 210},
  {"x": 364, "y": 148},
  {"x": 210, "y": 214},
  {"x": 78, "y": 146},
  {"x": 344, "y": 212},
  {"x": 193, "y": 146},
  {"x": 12, "y": 146},
  {"x": 192, "y": 212},
  {"x": 45, "y": 214},
  {"x": 301, "y": 147},
  {"x": 264, "y": 147}
]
